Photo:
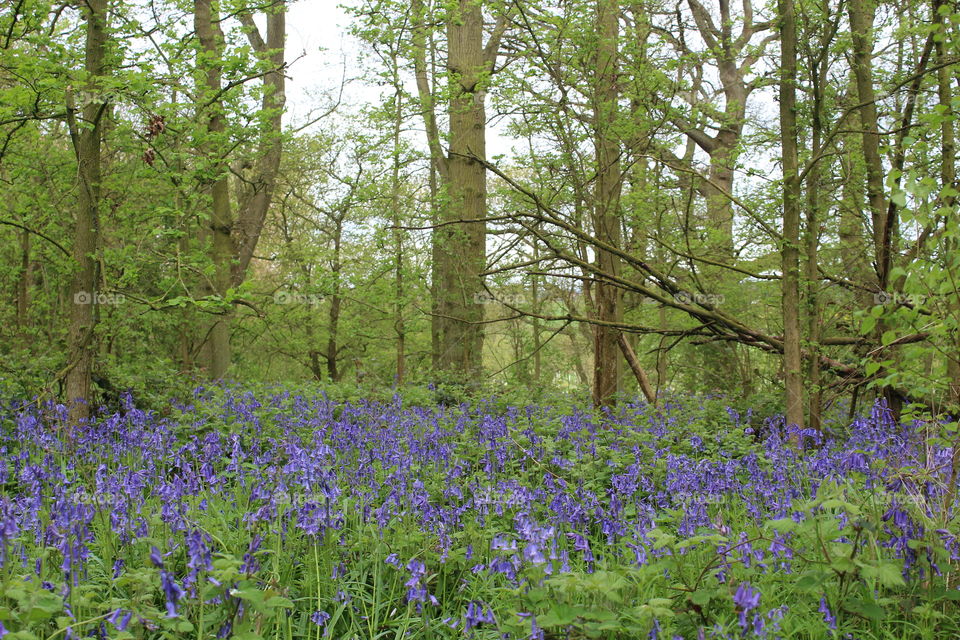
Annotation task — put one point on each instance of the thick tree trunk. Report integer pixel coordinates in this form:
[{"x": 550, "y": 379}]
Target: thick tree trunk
[
  {"x": 861, "y": 29},
  {"x": 462, "y": 243},
  {"x": 852, "y": 219},
  {"x": 83, "y": 286},
  {"x": 254, "y": 206},
  {"x": 606, "y": 218},
  {"x": 792, "y": 363},
  {"x": 220, "y": 221}
]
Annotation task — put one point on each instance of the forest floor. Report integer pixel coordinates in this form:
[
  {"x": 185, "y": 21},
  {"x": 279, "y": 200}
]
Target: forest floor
[{"x": 243, "y": 514}]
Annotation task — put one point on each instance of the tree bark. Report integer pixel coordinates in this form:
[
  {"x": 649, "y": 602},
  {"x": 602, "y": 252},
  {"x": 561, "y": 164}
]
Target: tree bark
[
  {"x": 23, "y": 280},
  {"x": 462, "y": 242},
  {"x": 861, "y": 28},
  {"x": 83, "y": 288},
  {"x": 398, "y": 319},
  {"x": 437, "y": 177},
  {"x": 333, "y": 326},
  {"x": 637, "y": 368},
  {"x": 606, "y": 206},
  {"x": 254, "y": 206},
  {"x": 812, "y": 276},
  {"x": 948, "y": 178},
  {"x": 219, "y": 227},
  {"x": 792, "y": 362}
]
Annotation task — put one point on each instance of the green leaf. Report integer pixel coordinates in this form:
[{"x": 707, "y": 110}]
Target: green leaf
[
  {"x": 783, "y": 525},
  {"x": 867, "y": 609},
  {"x": 887, "y": 573},
  {"x": 279, "y": 601}
]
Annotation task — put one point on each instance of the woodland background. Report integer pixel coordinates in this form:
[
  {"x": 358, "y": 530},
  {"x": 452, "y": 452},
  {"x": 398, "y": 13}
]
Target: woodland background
[{"x": 753, "y": 199}]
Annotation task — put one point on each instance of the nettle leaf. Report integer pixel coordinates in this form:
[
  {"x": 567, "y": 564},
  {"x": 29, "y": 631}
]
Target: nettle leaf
[
  {"x": 866, "y": 608},
  {"x": 887, "y": 573},
  {"x": 559, "y": 615}
]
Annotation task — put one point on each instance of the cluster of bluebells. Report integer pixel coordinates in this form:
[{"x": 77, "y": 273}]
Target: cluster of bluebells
[{"x": 295, "y": 464}]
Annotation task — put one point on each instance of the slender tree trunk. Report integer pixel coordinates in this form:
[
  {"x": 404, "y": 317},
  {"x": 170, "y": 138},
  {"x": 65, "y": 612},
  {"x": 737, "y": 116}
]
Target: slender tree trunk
[
  {"x": 642, "y": 380},
  {"x": 398, "y": 319},
  {"x": 24, "y": 277},
  {"x": 333, "y": 326},
  {"x": 607, "y": 298},
  {"x": 462, "y": 244},
  {"x": 948, "y": 178},
  {"x": 437, "y": 178},
  {"x": 792, "y": 363},
  {"x": 436, "y": 320},
  {"x": 83, "y": 287},
  {"x": 818, "y": 77},
  {"x": 536, "y": 305},
  {"x": 813, "y": 276},
  {"x": 220, "y": 221}
]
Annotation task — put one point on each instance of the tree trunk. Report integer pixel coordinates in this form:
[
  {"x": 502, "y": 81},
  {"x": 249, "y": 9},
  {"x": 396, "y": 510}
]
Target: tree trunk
[
  {"x": 642, "y": 380},
  {"x": 818, "y": 69},
  {"x": 812, "y": 272},
  {"x": 23, "y": 280},
  {"x": 792, "y": 363},
  {"x": 220, "y": 221},
  {"x": 83, "y": 286},
  {"x": 398, "y": 319},
  {"x": 948, "y": 178},
  {"x": 606, "y": 216},
  {"x": 333, "y": 326},
  {"x": 462, "y": 245},
  {"x": 438, "y": 169},
  {"x": 861, "y": 30},
  {"x": 254, "y": 207}
]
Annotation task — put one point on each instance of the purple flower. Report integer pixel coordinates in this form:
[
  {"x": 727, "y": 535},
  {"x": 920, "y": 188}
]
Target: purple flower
[
  {"x": 172, "y": 592},
  {"x": 416, "y": 592},
  {"x": 250, "y": 563},
  {"x": 828, "y": 616},
  {"x": 319, "y": 618},
  {"x": 478, "y": 614},
  {"x": 746, "y": 599},
  {"x": 120, "y": 619}
]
